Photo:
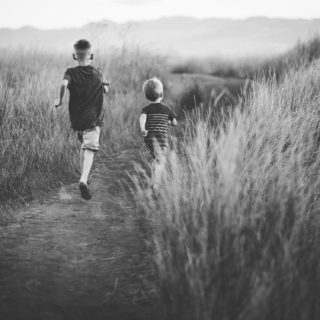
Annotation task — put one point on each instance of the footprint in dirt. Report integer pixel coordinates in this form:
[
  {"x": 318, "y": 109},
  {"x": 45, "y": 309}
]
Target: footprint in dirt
[{"x": 64, "y": 195}]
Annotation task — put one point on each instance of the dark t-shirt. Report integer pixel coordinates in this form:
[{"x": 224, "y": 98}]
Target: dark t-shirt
[
  {"x": 86, "y": 97},
  {"x": 158, "y": 115}
]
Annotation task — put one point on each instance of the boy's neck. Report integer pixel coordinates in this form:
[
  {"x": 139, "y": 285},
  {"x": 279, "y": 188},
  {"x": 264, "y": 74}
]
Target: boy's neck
[
  {"x": 157, "y": 101},
  {"x": 84, "y": 63}
]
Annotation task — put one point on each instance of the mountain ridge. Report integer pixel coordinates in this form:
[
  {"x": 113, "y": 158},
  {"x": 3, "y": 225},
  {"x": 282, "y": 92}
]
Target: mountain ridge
[{"x": 178, "y": 36}]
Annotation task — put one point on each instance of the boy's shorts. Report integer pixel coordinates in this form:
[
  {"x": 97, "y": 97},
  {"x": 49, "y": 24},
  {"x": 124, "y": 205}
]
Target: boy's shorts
[
  {"x": 157, "y": 144},
  {"x": 90, "y": 139}
]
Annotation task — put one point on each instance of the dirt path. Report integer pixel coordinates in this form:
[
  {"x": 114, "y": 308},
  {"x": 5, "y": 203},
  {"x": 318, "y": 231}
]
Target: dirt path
[{"x": 71, "y": 259}]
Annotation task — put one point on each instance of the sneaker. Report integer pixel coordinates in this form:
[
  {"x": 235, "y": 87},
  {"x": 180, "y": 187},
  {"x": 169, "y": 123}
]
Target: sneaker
[{"x": 85, "y": 193}]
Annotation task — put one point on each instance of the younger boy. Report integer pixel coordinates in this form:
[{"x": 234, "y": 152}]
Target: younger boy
[
  {"x": 86, "y": 112},
  {"x": 154, "y": 121}
]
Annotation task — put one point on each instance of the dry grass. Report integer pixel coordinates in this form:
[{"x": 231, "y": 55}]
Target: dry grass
[
  {"x": 37, "y": 147},
  {"x": 236, "y": 222}
]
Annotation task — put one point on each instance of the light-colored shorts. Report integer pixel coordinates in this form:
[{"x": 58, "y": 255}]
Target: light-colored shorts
[{"x": 90, "y": 139}]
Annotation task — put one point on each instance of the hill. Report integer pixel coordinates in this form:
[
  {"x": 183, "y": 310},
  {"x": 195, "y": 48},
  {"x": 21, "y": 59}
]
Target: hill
[{"x": 177, "y": 36}]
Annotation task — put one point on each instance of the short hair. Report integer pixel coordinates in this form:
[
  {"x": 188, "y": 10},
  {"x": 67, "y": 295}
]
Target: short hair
[
  {"x": 153, "y": 89},
  {"x": 82, "y": 44}
]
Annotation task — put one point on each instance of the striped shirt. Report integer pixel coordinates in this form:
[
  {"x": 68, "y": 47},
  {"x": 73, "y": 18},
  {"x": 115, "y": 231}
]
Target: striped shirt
[{"x": 158, "y": 115}]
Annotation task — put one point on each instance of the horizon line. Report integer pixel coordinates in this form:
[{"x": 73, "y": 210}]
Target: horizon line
[{"x": 106, "y": 20}]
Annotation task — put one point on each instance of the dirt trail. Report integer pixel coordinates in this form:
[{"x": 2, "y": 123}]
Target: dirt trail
[{"x": 71, "y": 259}]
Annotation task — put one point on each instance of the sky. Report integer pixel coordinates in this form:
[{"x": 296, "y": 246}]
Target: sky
[{"x": 75, "y": 13}]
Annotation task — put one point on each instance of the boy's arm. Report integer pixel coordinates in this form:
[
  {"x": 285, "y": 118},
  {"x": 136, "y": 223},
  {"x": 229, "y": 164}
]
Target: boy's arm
[
  {"x": 105, "y": 85},
  {"x": 172, "y": 117},
  {"x": 63, "y": 87},
  {"x": 174, "y": 122},
  {"x": 105, "y": 89},
  {"x": 143, "y": 120}
]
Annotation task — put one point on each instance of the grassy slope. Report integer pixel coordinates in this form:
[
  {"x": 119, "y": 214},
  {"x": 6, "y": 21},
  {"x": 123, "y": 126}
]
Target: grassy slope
[
  {"x": 303, "y": 53},
  {"x": 189, "y": 90}
]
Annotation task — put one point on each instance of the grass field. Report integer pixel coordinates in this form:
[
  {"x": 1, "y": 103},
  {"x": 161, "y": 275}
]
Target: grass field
[{"x": 236, "y": 228}]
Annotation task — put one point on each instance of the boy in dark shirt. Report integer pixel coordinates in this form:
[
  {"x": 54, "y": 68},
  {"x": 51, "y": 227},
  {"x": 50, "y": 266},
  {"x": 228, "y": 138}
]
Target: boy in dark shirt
[
  {"x": 86, "y": 112},
  {"x": 154, "y": 121}
]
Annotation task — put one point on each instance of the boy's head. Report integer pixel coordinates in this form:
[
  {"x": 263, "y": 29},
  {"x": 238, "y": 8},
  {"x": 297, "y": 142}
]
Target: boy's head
[
  {"x": 83, "y": 51},
  {"x": 153, "y": 89}
]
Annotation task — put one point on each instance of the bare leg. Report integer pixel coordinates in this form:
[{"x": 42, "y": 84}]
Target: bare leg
[
  {"x": 86, "y": 165},
  {"x": 153, "y": 167},
  {"x": 81, "y": 160},
  {"x": 158, "y": 168}
]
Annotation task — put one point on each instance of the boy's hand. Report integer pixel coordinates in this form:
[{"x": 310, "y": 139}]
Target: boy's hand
[
  {"x": 174, "y": 122},
  {"x": 105, "y": 85},
  {"x": 57, "y": 103},
  {"x": 144, "y": 133},
  {"x": 105, "y": 89}
]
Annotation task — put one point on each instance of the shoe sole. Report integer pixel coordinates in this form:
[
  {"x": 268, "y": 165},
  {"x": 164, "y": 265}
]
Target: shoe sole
[{"x": 85, "y": 194}]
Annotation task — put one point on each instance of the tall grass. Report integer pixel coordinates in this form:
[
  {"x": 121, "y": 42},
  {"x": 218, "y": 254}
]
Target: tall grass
[
  {"x": 236, "y": 222},
  {"x": 39, "y": 151}
]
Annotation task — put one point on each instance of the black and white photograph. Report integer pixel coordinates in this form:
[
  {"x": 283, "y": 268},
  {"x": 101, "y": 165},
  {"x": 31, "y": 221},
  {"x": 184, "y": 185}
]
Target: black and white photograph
[{"x": 159, "y": 160}]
